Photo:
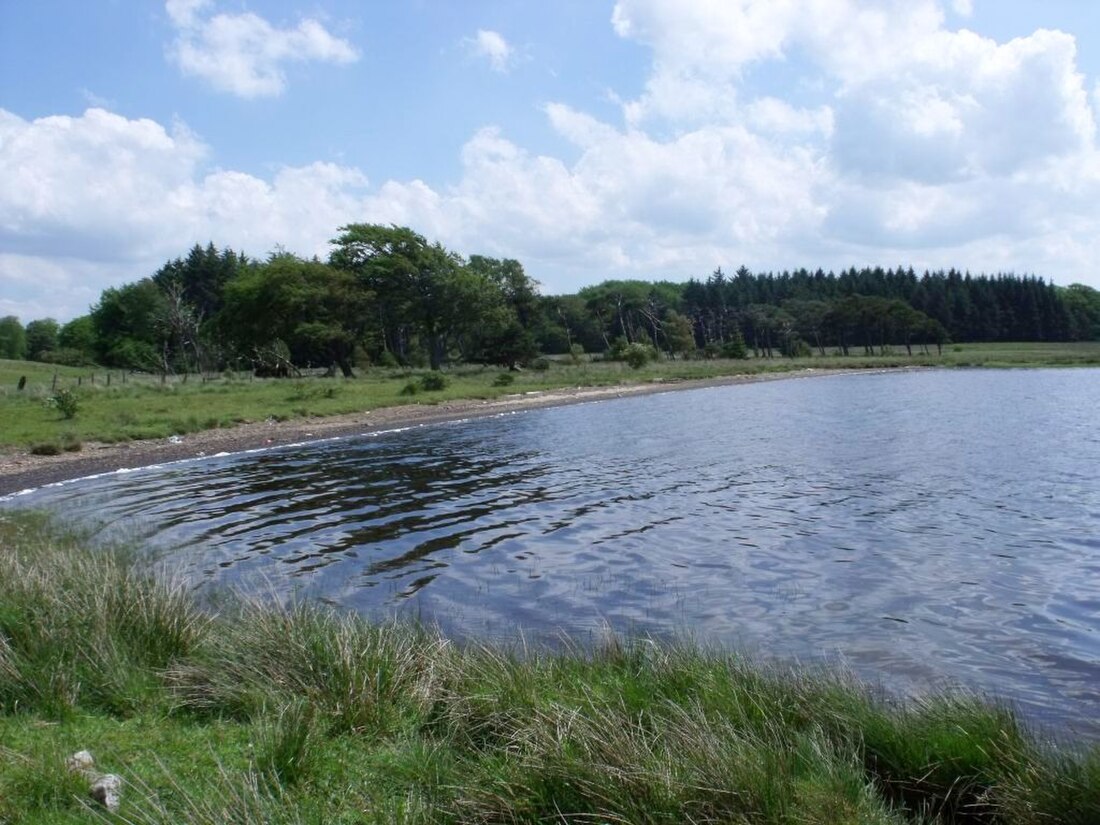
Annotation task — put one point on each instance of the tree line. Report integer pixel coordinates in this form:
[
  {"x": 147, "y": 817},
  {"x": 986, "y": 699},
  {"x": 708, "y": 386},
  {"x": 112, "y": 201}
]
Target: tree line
[{"x": 386, "y": 295}]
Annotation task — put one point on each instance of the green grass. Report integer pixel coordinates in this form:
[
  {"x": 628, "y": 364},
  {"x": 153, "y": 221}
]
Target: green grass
[
  {"x": 143, "y": 407},
  {"x": 262, "y": 714}
]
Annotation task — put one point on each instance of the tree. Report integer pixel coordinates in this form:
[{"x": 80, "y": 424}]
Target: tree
[
  {"x": 77, "y": 342},
  {"x": 42, "y": 337},
  {"x": 129, "y": 329},
  {"x": 200, "y": 278},
  {"x": 317, "y": 311},
  {"x": 1083, "y": 308},
  {"x": 421, "y": 290},
  {"x": 679, "y": 334},
  {"x": 13, "y": 338},
  {"x": 505, "y": 335}
]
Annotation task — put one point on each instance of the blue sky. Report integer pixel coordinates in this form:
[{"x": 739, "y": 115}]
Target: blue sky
[{"x": 638, "y": 138}]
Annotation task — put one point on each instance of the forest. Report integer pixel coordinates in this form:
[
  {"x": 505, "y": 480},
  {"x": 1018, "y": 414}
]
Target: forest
[{"x": 387, "y": 296}]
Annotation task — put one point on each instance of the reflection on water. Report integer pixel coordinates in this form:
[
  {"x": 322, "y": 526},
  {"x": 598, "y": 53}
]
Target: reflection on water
[{"x": 927, "y": 529}]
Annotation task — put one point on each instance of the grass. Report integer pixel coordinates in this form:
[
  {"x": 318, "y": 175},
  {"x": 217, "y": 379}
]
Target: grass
[
  {"x": 267, "y": 714},
  {"x": 143, "y": 407}
]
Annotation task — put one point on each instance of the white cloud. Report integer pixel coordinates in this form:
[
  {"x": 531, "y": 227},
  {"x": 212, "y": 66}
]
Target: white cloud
[
  {"x": 493, "y": 47},
  {"x": 963, "y": 8},
  {"x": 143, "y": 197},
  {"x": 943, "y": 148},
  {"x": 244, "y": 54}
]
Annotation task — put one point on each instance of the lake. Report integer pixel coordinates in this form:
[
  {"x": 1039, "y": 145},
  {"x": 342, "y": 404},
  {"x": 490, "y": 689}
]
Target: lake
[{"x": 925, "y": 529}]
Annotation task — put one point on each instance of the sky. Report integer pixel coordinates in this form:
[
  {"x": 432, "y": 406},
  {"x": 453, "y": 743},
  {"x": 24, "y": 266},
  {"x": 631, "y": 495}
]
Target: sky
[{"x": 589, "y": 139}]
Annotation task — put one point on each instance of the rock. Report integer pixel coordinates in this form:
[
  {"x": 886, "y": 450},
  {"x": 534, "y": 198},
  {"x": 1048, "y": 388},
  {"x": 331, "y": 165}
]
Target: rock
[
  {"x": 107, "y": 791},
  {"x": 81, "y": 762}
]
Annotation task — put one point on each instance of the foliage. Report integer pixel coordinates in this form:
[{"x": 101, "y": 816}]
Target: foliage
[
  {"x": 734, "y": 347},
  {"x": 65, "y": 402},
  {"x": 424, "y": 295},
  {"x": 78, "y": 336},
  {"x": 433, "y": 382},
  {"x": 42, "y": 338},
  {"x": 13, "y": 338},
  {"x": 317, "y": 311},
  {"x": 127, "y": 326},
  {"x": 638, "y": 355}
]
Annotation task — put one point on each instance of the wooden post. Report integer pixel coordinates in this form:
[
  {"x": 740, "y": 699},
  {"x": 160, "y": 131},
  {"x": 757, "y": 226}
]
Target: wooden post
[{"x": 53, "y": 386}]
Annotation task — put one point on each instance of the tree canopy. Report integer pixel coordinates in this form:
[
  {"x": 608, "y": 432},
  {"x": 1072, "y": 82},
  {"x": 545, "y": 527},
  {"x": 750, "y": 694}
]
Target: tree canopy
[{"x": 387, "y": 294}]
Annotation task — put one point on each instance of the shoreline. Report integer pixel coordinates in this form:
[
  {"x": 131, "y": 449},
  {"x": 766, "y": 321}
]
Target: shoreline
[{"x": 21, "y": 471}]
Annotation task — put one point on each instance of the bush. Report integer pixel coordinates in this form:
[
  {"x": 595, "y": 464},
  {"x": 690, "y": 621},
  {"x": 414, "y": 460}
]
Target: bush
[
  {"x": 65, "y": 402},
  {"x": 433, "y": 382},
  {"x": 735, "y": 349},
  {"x": 412, "y": 388},
  {"x": 638, "y": 355},
  {"x": 46, "y": 448},
  {"x": 540, "y": 364},
  {"x": 505, "y": 379},
  {"x": 67, "y": 357},
  {"x": 576, "y": 353}
]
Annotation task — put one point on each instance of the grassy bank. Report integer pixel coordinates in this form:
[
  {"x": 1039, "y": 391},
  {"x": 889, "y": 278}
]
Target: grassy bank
[
  {"x": 113, "y": 406},
  {"x": 256, "y": 714}
]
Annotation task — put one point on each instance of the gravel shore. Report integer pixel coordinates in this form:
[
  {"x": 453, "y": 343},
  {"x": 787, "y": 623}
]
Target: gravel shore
[{"x": 21, "y": 471}]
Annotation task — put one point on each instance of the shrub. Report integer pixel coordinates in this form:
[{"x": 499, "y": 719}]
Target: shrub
[
  {"x": 638, "y": 355},
  {"x": 735, "y": 348},
  {"x": 540, "y": 364},
  {"x": 505, "y": 379},
  {"x": 412, "y": 388},
  {"x": 433, "y": 382},
  {"x": 46, "y": 448},
  {"x": 65, "y": 402},
  {"x": 576, "y": 353}
]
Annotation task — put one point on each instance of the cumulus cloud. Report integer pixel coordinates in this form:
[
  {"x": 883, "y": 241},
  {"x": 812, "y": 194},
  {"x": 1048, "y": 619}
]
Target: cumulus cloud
[
  {"x": 493, "y": 47},
  {"x": 244, "y": 54},
  {"x": 100, "y": 199},
  {"x": 963, "y": 8},
  {"x": 921, "y": 136},
  {"x": 941, "y": 148}
]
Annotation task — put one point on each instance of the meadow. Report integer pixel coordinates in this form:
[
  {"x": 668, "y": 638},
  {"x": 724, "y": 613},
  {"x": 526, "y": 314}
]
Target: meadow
[
  {"x": 114, "y": 406},
  {"x": 229, "y": 710}
]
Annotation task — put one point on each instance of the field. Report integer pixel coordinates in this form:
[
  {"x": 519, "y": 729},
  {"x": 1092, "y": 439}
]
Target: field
[
  {"x": 269, "y": 714},
  {"x": 114, "y": 406}
]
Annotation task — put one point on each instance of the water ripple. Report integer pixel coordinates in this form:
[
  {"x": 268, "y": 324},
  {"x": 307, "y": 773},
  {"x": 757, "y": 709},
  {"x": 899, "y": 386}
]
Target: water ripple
[{"x": 927, "y": 529}]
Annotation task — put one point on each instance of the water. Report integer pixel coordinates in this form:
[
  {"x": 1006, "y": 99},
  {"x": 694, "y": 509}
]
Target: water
[{"x": 925, "y": 529}]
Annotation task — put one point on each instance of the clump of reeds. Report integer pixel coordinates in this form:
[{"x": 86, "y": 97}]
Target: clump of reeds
[
  {"x": 84, "y": 629},
  {"x": 351, "y": 721}
]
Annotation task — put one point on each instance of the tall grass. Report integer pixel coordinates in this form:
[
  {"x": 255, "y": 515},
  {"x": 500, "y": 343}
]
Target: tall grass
[{"x": 300, "y": 714}]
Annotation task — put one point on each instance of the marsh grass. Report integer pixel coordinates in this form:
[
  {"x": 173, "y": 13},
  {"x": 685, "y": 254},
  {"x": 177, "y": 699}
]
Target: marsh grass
[
  {"x": 253, "y": 713},
  {"x": 143, "y": 407}
]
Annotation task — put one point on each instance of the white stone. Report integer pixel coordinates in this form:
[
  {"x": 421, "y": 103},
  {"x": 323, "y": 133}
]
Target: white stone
[
  {"x": 80, "y": 762},
  {"x": 107, "y": 791}
]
